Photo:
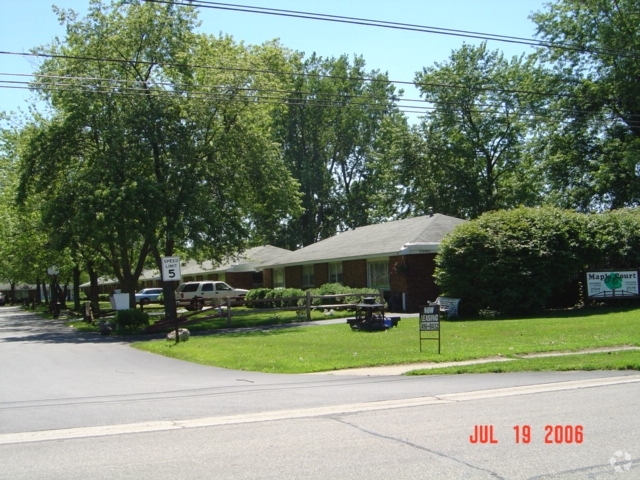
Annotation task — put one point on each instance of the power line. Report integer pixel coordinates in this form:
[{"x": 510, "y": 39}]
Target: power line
[
  {"x": 391, "y": 25},
  {"x": 266, "y": 96},
  {"x": 277, "y": 97},
  {"x": 273, "y": 72},
  {"x": 205, "y": 67},
  {"x": 190, "y": 87},
  {"x": 263, "y": 93},
  {"x": 325, "y": 17}
]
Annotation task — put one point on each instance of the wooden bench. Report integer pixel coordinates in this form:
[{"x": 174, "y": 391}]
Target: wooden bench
[{"x": 448, "y": 305}]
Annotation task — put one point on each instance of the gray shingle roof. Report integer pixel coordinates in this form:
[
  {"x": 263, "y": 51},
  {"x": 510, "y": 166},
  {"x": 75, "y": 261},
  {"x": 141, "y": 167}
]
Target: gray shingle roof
[
  {"x": 247, "y": 261},
  {"x": 381, "y": 240}
]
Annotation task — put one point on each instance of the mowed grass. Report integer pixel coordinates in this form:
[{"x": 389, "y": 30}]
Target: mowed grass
[
  {"x": 621, "y": 360},
  {"x": 325, "y": 348}
]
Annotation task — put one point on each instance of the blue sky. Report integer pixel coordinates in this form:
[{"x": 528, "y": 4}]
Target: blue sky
[{"x": 29, "y": 23}]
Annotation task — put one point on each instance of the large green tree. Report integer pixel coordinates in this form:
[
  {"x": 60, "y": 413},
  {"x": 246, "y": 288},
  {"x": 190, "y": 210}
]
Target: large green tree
[
  {"x": 592, "y": 144},
  {"x": 328, "y": 129},
  {"x": 473, "y": 158},
  {"x": 159, "y": 141},
  {"x": 26, "y": 251}
]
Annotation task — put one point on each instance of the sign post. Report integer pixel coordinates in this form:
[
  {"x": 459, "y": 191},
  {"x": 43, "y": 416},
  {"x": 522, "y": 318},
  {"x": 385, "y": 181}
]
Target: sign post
[
  {"x": 430, "y": 322},
  {"x": 171, "y": 273}
]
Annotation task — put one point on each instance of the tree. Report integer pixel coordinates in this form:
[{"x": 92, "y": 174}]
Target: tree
[
  {"x": 592, "y": 147},
  {"x": 513, "y": 261},
  {"x": 159, "y": 143},
  {"x": 333, "y": 115},
  {"x": 473, "y": 159},
  {"x": 24, "y": 256}
]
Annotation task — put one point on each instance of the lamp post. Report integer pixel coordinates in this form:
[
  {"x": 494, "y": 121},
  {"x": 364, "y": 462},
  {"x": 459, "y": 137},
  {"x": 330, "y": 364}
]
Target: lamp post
[{"x": 54, "y": 306}]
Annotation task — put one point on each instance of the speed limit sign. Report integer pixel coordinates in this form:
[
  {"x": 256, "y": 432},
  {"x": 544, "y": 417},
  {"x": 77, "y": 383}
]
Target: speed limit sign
[{"x": 171, "y": 269}]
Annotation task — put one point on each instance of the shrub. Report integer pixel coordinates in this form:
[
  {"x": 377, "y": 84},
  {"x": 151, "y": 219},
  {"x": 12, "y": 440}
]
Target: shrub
[
  {"x": 131, "y": 320},
  {"x": 257, "y": 294},
  {"x": 286, "y": 297},
  {"x": 521, "y": 261},
  {"x": 512, "y": 261},
  {"x": 338, "y": 289},
  {"x": 277, "y": 296},
  {"x": 281, "y": 297}
]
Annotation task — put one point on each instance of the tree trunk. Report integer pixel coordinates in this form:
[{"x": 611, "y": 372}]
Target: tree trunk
[
  {"x": 76, "y": 288},
  {"x": 94, "y": 297}
]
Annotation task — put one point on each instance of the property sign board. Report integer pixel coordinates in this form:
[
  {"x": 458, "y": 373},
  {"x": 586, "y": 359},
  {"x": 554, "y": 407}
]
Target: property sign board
[
  {"x": 171, "y": 269},
  {"x": 430, "y": 322},
  {"x": 430, "y": 318},
  {"x": 612, "y": 284}
]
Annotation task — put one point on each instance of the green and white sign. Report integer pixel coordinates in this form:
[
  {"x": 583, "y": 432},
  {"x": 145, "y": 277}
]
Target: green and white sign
[{"x": 612, "y": 284}]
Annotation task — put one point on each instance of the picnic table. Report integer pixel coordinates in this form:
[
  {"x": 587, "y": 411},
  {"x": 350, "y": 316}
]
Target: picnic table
[{"x": 370, "y": 317}]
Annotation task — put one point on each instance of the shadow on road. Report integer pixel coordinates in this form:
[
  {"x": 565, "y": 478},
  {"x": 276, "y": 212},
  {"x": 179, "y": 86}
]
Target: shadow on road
[{"x": 16, "y": 325}]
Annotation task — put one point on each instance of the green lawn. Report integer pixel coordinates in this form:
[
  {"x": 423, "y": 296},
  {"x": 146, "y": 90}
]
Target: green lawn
[
  {"x": 623, "y": 360},
  {"x": 331, "y": 347}
]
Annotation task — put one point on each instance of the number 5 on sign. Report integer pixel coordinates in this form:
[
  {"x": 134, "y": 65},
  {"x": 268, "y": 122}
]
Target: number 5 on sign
[{"x": 171, "y": 269}]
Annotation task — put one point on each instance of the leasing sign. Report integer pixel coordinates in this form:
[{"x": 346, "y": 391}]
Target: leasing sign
[{"x": 612, "y": 284}]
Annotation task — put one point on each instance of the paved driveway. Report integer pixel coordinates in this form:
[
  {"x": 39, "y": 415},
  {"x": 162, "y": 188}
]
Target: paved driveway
[{"x": 86, "y": 406}]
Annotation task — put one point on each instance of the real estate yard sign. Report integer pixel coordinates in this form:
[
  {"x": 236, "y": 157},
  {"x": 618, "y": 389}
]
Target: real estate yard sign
[
  {"x": 612, "y": 284},
  {"x": 430, "y": 322}
]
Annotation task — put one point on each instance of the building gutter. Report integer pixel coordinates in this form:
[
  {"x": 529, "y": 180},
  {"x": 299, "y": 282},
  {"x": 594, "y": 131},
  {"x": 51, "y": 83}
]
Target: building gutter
[{"x": 415, "y": 248}]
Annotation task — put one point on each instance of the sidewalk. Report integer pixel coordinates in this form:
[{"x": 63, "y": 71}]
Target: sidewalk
[{"x": 402, "y": 369}]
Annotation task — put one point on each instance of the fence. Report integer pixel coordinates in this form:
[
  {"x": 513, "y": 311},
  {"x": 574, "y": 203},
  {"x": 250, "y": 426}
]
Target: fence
[
  {"x": 304, "y": 307},
  {"x": 308, "y": 304}
]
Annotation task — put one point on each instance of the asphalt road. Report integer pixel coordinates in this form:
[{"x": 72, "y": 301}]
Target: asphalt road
[{"x": 76, "y": 406}]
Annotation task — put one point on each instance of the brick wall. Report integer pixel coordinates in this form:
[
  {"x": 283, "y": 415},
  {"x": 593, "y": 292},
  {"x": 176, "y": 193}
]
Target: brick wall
[
  {"x": 321, "y": 274},
  {"x": 240, "y": 280},
  {"x": 293, "y": 276},
  {"x": 267, "y": 278},
  {"x": 421, "y": 286},
  {"x": 354, "y": 273}
]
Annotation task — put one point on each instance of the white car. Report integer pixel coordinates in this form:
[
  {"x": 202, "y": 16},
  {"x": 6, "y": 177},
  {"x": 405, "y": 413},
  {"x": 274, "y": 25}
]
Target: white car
[{"x": 194, "y": 295}]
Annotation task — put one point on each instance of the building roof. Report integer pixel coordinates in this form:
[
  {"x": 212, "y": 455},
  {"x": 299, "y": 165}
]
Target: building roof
[
  {"x": 400, "y": 237},
  {"x": 250, "y": 260}
]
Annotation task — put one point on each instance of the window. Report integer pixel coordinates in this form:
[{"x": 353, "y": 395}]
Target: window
[
  {"x": 278, "y": 278},
  {"x": 308, "y": 279},
  {"x": 335, "y": 272},
  {"x": 188, "y": 287},
  {"x": 378, "y": 274}
]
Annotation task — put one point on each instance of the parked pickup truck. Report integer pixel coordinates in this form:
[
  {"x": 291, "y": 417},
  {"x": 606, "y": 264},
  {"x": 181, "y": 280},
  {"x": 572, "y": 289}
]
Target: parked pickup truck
[{"x": 195, "y": 295}]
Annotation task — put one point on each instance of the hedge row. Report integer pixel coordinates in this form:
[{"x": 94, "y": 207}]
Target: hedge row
[
  {"x": 279, "y": 297},
  {"x": 519, "y": 261}
]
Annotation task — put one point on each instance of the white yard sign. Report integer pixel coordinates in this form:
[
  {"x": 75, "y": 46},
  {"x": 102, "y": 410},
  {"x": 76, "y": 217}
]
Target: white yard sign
[
  {"x": 612, "y": 284},
  {"x": 171, "y": 269}
]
